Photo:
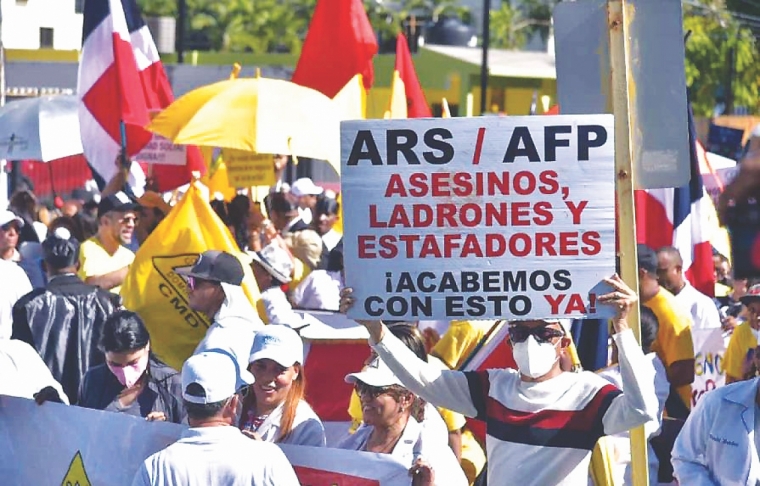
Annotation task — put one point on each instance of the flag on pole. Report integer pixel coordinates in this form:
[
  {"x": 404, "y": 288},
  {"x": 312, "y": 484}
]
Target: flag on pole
[
  {"x": 153, "y": 288},
  {"x": 679, "y": 217},
  {"x": 407, "y": 98},
  {"x": 341, "y": 23},
  {"x": 121, "y": 79}
]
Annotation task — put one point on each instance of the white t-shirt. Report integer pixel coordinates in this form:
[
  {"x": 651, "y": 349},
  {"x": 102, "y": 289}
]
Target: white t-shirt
[
  {"x": 320, "y": 290},
  {"x": 703, "y": 310},
  {"x": 14, "y": 284},
  {"x": 22, "y": 371},
  {"x": 217, "y": 455}
]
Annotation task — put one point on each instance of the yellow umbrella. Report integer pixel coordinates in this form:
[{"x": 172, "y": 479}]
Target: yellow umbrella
[{"x": 261, "y": 115}]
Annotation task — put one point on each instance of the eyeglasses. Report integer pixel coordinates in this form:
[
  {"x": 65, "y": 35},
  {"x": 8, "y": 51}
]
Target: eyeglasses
[
  {"x": 519, "y": 334},
  {"x": 372, "y": 392}
]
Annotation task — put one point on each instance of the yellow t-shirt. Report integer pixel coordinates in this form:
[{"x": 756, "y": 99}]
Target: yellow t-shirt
[
  {"x": 742, "y": 340},
  {"x": 94, "y": 260},
  {"x": 673, "y": 342},
  {"x": 459, "y": 340}
]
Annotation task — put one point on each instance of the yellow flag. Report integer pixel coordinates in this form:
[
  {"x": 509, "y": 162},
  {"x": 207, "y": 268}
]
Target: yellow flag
[
  {"x": 153, "y": 288},
  {"x": 215, "y": 177},
  {"x": 398, "y": 105}
]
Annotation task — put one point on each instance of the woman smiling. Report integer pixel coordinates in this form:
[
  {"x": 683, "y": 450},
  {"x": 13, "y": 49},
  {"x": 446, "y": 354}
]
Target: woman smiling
[{"x": 274, "y": 409}]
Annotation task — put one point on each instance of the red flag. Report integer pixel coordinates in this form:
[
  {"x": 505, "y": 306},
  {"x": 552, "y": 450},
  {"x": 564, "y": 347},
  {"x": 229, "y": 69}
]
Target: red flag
[
  {"x": 340, "y": 44},
  {"x": 405, "y": 81}
]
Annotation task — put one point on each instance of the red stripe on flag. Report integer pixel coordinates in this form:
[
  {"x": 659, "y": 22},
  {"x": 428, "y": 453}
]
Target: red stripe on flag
[
  {"x": 701, "y": 273},
  {"x": 326, "y": 389},
  {"x": 653, "y": 228}
]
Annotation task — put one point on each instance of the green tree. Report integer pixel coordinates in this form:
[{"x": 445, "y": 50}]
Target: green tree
[
  {"x": 509, "y": 29},
  {"x": 715, "y": 35}
]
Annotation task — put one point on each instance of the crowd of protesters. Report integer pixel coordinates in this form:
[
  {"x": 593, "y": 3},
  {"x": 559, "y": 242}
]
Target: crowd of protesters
[{"x": 65, "y": 336}]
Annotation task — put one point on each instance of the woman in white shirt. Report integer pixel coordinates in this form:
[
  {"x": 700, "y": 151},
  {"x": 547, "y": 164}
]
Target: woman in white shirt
[
  {"x": 274, "y": 410},
  {"x": 393, "y": 419}
]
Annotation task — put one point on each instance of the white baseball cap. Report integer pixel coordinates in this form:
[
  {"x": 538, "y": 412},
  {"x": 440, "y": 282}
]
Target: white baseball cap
[
  {"x": 275, "y": 261},
  {"x": 305, "y": 187},
  {"x": 278, "y": 343},
  {"x": 7, "y": 216},
  {"x": 218, "y": 375},
  {"x": 376, "y": 373}
]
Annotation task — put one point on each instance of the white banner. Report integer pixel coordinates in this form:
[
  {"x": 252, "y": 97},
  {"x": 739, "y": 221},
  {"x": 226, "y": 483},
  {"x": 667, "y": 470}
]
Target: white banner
[
  {"x": 489, "y": 217},
  {"x": 709, "y": 348},
  {"x": 54, "y": 445}
]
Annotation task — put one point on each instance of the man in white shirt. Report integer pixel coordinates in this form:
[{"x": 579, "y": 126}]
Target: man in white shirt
[
  {"x": 14, "y": 284},
  {"x": 272, "y": 268},
  {"x": 703, "y": 310},
  {"x": 215, "y": 289},
  {"x": 306, "y": 193},
  {"x": 213, "y": 450}
]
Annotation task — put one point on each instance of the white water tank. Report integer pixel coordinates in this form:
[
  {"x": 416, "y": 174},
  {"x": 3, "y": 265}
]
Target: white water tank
[{"x": 163, "y": 30}]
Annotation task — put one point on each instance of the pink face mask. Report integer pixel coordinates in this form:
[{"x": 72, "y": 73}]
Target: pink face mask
[{"x": 130, "y": 374}]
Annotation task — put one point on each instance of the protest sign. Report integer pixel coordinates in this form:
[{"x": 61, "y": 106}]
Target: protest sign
[
  {"x": 161, "y": 151},
  {"x": 709, "y": 348},
  {"x": 247, "y": 169},
  {"x": 509, "y": 217},
  {"x": 53, "y": 445}
]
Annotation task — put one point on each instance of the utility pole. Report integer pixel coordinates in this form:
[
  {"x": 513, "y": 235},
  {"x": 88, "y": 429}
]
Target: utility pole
[
  {"x": 181, "y": 16},
  {"x": 484, "y": 62}
]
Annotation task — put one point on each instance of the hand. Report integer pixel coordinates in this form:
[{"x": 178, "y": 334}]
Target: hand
[
  {"x": 375, "y": 328},
  {"x": 156, "y": 417},
  {"x": 623, "y": 298},
  {"x": 47, "y": 394},
  {"x": 422, "y": 473},
  {"x": 251, "y": 434},
  {"x": 729, "y": 323}
]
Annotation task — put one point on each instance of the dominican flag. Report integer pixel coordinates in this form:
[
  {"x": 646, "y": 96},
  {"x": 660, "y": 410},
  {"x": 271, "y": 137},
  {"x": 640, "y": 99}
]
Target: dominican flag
[
  {"x": 121, "y": 79},
  {"x": 679, "y": 217}
]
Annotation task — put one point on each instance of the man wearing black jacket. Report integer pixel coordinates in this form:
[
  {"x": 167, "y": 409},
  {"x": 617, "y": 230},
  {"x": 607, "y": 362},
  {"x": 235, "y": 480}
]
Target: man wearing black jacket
[{"x": 63, "y": 321}]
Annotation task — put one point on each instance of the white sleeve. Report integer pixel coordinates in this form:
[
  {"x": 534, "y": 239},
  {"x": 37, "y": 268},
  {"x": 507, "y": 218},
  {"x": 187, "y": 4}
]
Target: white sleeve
[
  {"x": 637, "y": 404},
  {"x": 302, "y": 291},
  {"x": 35, "y": 370},
  {"x": 278, "y": 309},
  {"x": 454, "y": 390},
  {"x": 689, "y": 451}
]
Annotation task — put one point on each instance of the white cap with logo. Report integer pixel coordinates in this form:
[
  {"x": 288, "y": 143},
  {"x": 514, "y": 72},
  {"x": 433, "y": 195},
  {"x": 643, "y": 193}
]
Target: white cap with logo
[
  {"x": 376, "y": 373},
  {"x": 278, "y": 343},
  {"x": 7, "y": 216},
  {"x": 216, "y": 373}
]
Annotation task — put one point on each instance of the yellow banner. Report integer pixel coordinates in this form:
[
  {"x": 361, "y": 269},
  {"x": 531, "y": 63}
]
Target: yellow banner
[
  {"x": 153, "y": 288},
  {"x": 246, "y": 169}
]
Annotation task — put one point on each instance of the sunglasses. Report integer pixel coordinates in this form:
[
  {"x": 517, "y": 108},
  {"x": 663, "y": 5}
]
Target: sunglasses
[
  {"x": 372, "y": 392},
  {"x": 518, "y": 334},
  {"x": 129, "y": 219}
]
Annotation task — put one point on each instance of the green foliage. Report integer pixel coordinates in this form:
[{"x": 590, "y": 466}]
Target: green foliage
[{"x": 714, "y": 34}]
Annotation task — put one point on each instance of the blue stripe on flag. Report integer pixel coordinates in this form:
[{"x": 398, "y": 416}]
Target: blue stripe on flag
[
  {"x": 684, "y": 196},
  {"x": 132, "y": 12},
  {"x": 95, "y": 12}
]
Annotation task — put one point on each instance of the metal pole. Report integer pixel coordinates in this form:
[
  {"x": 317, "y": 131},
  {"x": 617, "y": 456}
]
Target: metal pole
[
  {"x": 484, "y": 64},
  {"x": 181, "y": 16}
]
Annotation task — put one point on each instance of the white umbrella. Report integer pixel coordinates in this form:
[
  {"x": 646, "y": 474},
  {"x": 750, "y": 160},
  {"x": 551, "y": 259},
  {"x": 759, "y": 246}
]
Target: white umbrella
[{"x": 43, "y": 129}]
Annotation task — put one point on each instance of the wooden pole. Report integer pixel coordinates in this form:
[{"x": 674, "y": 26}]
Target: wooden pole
[{"x": 619, "y": 14}]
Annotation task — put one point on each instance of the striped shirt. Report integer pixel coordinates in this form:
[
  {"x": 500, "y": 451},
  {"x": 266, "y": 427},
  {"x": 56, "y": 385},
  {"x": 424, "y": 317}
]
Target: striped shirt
[{"x": 537, "y": 433}]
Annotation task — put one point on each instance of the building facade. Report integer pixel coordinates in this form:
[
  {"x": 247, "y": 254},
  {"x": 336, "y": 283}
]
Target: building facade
[{"x": 41, "y": 24}]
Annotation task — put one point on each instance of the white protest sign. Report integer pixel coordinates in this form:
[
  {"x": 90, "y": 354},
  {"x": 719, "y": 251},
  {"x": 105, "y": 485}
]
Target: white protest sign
[
  {"x": 493, "y": 217},
  {"x": 709, "y": 348},
  {"x": 162, "y": 151},
  {"x": 54, "y": 445}
]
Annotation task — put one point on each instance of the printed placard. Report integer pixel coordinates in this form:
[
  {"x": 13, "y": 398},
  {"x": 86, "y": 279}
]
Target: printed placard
[
  {"x": 247, "y": 169},
  {"x": 492, "y": 217},
  {"x": 162, "y": 151}
]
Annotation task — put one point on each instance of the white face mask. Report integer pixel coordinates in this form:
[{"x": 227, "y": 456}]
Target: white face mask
[{"x": 535, "y": 359}]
